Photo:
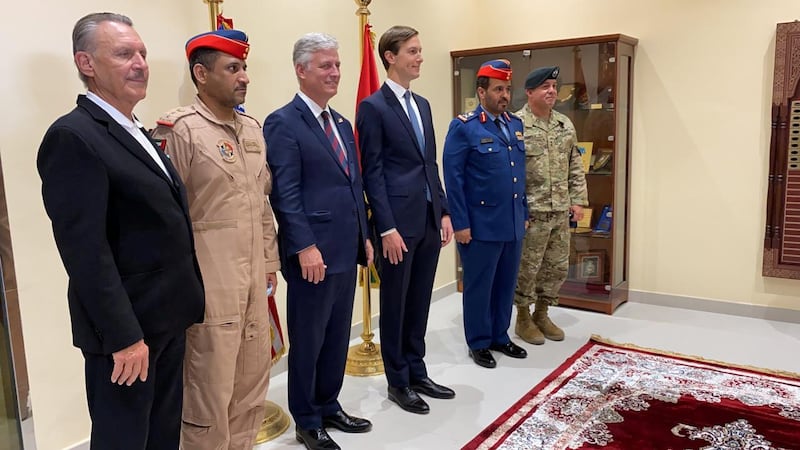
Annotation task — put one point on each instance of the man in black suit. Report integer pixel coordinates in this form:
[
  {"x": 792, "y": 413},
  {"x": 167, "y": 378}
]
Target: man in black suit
[
  {"x": 318, "y": 200},
  {"x": 121, "y": 224},
  {"x": 409, "y": 210}
]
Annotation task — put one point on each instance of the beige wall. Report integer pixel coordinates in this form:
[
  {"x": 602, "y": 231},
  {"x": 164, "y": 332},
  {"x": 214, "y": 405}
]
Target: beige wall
[{"x": 703, "y": 78}]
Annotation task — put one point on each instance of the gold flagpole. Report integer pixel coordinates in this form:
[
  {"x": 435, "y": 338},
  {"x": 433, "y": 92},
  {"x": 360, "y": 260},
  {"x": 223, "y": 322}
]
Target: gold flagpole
[
  {"x": 276, "y": 421},
  {"x": 213, "y": 12},
  {"x": 364, "y": 359}
]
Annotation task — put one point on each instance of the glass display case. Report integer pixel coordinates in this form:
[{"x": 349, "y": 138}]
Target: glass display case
[{"x": 594, "y": 91}]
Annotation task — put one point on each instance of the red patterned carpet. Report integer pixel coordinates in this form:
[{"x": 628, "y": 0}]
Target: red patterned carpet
[{"x": 613, "y": 396}]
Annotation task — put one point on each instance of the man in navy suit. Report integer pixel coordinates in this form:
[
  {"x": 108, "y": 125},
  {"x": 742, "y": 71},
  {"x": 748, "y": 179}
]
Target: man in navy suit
[
  {"x": 121, "y": 224},
  {"x": 318, "y": 200},
  {"x": 484, "y": 171},
  {"x": 409, "y": 211}
]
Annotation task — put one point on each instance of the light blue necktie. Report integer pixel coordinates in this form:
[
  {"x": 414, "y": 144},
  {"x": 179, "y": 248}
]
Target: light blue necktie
[
  {"x": 412, "y": 117},
  {"x": 503, "y": 128}
]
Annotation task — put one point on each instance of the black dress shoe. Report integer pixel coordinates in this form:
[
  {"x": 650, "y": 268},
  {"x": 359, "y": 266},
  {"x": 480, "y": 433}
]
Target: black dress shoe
[
  {"x": 347, "y": 423},
  {"x": 315, "y": 439},
  {"x": 428, "y": 387},
  {"x": 408, "y": 400},
  {"x": 483, "y": 357},
  {"x": 510, "y": 349}
]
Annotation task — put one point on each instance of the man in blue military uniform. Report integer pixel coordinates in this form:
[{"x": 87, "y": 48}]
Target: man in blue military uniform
[{"x": 484, "y": 172}]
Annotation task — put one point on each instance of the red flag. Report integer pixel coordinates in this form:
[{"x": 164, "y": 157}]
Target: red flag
[
  {"x": 223, "y": 23},
  {"x": 368, "y": 82},
  {"x": 276, "y": 333}
]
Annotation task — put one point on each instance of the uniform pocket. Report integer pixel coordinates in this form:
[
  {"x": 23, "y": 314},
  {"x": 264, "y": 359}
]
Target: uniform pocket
[
  {"x": 490, "y": 155},
  {"x": 319, "y": 216},
  {"x": 255, "y": 351},
  {"x": 214, "y": 225}
]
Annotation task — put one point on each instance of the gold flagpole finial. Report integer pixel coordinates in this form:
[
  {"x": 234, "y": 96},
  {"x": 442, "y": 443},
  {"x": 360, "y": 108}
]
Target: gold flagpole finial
[
  {"x": 363, "y": 9},
  {"x": 363, "y": 18}
]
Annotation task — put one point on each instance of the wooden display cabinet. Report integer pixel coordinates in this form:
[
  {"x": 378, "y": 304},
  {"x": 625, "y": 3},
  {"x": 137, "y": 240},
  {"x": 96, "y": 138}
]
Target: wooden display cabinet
[{"x": 594, "y": 91}]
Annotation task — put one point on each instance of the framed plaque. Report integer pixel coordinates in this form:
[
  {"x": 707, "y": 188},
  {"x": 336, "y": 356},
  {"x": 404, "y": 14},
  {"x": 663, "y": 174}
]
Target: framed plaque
[{"x": 590, "y": 266}]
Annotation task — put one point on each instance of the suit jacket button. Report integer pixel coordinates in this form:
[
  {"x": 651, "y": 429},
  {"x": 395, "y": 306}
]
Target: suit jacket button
[
  {"x": 512, "y": 163},
  {"x": 509, "y": 148},
  {"x": 483, "y": 202},
  {"x": 490, "y": 149},
  {"x": 515, "y": 195},
  {"x": 515, "y": 179}
]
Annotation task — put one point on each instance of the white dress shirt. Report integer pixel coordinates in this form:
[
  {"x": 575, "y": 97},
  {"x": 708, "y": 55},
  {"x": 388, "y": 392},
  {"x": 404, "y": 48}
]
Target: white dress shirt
[{"x": 133, "y": 127}]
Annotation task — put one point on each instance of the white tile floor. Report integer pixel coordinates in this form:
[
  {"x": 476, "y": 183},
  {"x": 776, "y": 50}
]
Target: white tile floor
[{"x": 483, "y": 394}]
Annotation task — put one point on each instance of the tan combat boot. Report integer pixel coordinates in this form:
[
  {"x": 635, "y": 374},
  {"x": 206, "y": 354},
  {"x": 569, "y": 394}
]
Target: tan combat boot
[
  {"x": 543, "y": 323},
  {"x": 525, "y": 327}
]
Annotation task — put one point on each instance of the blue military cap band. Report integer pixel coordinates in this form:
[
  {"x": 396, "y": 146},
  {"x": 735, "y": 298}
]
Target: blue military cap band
[{"x": 540, "y": 75}]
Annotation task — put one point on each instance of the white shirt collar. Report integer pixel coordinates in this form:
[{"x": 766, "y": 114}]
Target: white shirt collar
[
  {"x": 114, "y": 112},
  {"x": 316, "y": 110},
  {"x": 398, "y": 90}
]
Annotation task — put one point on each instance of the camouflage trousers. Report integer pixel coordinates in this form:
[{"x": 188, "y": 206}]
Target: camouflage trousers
[{"x": 545, "y": 258}]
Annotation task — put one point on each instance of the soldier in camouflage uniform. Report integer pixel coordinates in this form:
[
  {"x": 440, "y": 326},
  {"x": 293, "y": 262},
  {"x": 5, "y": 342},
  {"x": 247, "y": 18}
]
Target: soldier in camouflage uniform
[{"x": 556, "y": 186}]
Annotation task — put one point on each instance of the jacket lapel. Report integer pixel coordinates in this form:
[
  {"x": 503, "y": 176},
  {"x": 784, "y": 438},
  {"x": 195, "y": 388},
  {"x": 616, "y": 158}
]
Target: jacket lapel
[
  {"x": 120, "y": 134},
  {"x": 346, "y": 133},
  {"x": 314, "y": 126},
  {"x": 394, "y": 103}
]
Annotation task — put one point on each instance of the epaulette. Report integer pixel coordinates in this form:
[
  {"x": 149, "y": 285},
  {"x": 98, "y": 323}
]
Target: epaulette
[
  {"x": 170, "y": 117},
  {"x": 249, "y": 117},
  {"x": 467, "y": 117}
]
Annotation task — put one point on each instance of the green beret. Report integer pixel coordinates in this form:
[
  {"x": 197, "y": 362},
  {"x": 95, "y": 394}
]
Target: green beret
[{"x": 540, "y": 75}]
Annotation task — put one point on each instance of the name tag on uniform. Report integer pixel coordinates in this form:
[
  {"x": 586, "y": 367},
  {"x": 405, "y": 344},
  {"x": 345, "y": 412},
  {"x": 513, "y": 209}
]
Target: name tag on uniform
[
  {"x": 251, "y": 146},
  {"x": 487, "y": 140}
]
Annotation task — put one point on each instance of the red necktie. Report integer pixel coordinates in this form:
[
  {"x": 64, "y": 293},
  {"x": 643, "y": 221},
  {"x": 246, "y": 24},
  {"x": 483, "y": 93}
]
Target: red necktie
[{"x": 337, "y": 149}]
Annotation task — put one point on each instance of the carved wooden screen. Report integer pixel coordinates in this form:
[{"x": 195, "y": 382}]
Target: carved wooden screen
[{"x": 782, "y": 238}]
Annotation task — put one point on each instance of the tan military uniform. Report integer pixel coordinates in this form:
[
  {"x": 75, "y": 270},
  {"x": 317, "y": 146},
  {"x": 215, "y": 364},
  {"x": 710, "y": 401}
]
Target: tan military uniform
[
  {"x": 226, "y": 368},
  {"x": 555, "y": 181}
]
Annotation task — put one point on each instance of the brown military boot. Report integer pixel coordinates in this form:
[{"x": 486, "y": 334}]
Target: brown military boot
[
  {"x": 525, "y": 327},
  {"x": 543, "y": 323}
]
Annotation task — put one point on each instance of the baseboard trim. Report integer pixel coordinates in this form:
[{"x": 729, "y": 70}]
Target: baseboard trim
[
  {"x": 436, "y": 295},
  {"x": 715, "y": 306},
  {"x": 83, "y": 445}
]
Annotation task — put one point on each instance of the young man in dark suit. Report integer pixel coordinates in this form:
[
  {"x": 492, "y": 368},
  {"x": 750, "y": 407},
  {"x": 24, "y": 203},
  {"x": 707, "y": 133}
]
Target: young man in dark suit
[
  {"x": 318, "y": 199},
  {"x": 409, "y": 211},
  {"x": 121, "y": 224}
]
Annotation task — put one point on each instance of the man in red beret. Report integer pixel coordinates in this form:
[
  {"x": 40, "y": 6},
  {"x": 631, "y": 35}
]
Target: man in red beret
[
  {"x": 220, "y": 154},
  {"x": 484, "y": 171}
]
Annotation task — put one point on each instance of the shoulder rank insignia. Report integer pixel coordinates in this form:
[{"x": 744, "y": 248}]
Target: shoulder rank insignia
[
  {"x": 467, "y": 116},
  {"x": 169, "y": 119}
]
